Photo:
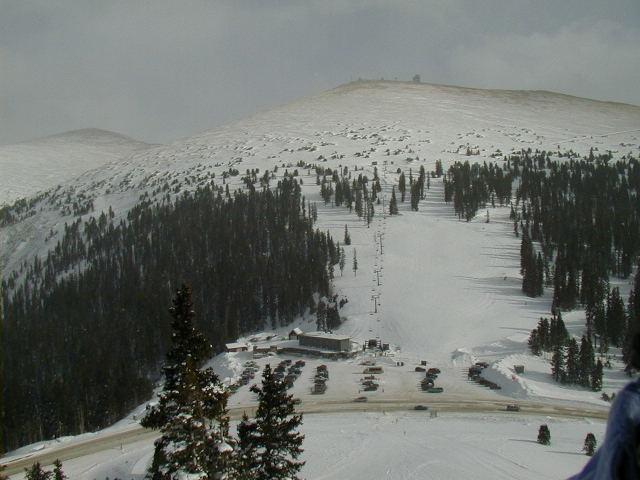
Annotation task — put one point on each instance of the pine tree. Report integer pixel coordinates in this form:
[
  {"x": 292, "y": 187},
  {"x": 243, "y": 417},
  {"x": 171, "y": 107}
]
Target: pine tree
[
  {"x": 58, "y": 473},
  {"x": 247, "y": 458},
  {"x": 278, "y": 441},
  {"x": 402, "y": 187},
  {"x": 355, "y": 263},
  {"x": 632, "y": 327},
  {"x": 393, "y": 204},
  {"x": 539, "y": 284},
  {"x": 572, "y": 361},
  {"x": 586, "y": 362},
  {"x": 439, "y": 169},
  {"x": 557, "y": 364},
  {"x": 192, "y": 409},
  {"x": 596, "y": 377},
  {"x": 615, "y": 317},
  {"x": 36, "y": 472},
  {"x": 415, "y": 196},
  {"x": 544, "y": 435},
  {"x": 342, "y": 261},
  {"x": 534, "y": 342},
  {"x": 347, "y": 237},
  {"x": 590, "y": 444},
  {"x": 359, "y": 205},
  {"x": 321, "y": 316}
]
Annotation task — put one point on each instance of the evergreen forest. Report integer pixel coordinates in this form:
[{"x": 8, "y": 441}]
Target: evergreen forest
[
  {"x": 84, "y": 328},
  {"x": 579, "y": 224}
]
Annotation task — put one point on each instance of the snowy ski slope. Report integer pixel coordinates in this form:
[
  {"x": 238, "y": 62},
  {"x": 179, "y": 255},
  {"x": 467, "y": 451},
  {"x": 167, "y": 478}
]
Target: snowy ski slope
[{"x": 446, "y": 291}]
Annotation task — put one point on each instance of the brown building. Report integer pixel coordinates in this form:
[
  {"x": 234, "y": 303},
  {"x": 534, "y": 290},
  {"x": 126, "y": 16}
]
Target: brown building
[{"x": 325, "y": 341}]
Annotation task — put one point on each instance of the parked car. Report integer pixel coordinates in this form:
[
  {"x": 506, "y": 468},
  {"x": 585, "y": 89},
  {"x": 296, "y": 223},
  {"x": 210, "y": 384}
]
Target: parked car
[
  {"x": 421, "y": 407},
  {"x": 435, "y": 390},
  {"x": 513, "y": 408},
  {"x": 360, "y": 399}
]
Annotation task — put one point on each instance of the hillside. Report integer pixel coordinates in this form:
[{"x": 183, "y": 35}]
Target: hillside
[
  {"x": 32, "y": 166},
  {"x": 432, "y": 286},
  {"x": 358, "y": 121}
]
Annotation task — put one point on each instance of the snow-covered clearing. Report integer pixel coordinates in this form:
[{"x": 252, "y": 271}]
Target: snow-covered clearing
[
  {"x": 30, "y": 167},
  {"x": 401, "y": 446}
]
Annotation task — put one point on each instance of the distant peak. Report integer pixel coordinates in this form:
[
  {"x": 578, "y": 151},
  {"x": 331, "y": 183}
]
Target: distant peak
[{"x": 88, "y": 135}]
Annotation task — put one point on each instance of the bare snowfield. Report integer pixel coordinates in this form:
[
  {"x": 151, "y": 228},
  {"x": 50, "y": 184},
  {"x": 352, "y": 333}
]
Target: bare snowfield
[
  {"x": 29, "y": 167},
  {"x": 446, "y": 291}
]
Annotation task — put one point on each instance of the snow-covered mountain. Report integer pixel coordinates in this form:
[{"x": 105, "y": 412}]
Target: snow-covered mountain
[
  {"x": 29, "y": 167},
  {"x": 447, "y": 288},
  {"x": 432, "y": 286}
]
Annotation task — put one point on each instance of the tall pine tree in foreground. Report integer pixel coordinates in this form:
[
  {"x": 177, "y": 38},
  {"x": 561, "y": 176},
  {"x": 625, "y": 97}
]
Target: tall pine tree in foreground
[
  {"x": 36, "y": 472},
  {"x": 278, "y": 443},
  {"x": 192, "y": 409},
  {"x": 58, "y": 473},
  {"x": 247, "y": 460}
]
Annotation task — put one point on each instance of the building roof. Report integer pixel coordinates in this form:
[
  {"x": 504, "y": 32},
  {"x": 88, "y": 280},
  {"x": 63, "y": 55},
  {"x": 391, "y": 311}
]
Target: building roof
[
  {"x": 232, "y": 346},
  {"x": 297, "y": 331},
  {"x": 331, "y": 336}
]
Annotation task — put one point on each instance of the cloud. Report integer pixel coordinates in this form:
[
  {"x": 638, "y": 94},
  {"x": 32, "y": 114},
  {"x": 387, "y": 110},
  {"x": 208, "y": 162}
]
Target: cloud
[
  {"x": 160, "y": 69},
  {"x": 597, "y": 60}
]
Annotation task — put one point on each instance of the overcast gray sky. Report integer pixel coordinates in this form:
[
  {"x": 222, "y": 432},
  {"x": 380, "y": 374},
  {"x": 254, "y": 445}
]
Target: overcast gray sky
[{"x": 161, "y": 69}]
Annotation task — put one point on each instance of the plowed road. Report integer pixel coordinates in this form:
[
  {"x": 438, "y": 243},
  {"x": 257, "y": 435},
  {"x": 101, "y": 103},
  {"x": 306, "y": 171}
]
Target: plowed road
[{"x": 136, "y": 433}]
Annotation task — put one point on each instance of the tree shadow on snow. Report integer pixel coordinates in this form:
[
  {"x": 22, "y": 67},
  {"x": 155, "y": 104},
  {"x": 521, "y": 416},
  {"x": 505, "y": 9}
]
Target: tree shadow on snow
[{"x": 521, "y": 440}]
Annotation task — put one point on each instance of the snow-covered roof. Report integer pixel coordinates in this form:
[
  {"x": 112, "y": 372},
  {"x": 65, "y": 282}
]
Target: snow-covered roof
[
  {"x": 233, "y": 346},
  {"x": 332, "y": 336},
  {"x": 297, "y": 331}
]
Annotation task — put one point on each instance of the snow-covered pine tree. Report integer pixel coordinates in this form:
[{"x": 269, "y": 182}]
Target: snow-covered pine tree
[
  {"x": 544, "y": 435},
  {"x": 596, "y": 377},
  {"x": 58, "y": 473},
  {"x": 402, "y": 187},
  {"x": 586, "y": 362},
  {"x": 572, "y": 361},
  {"x": 192, "y": 410},
  {"x": 534, "y": 342},
  {"x": 590, "y": 444},
  {"x": 415, "y": 196},
  {"x": 247, "y": 460},
  {"x": 279, "y": 444},
  {"x": 557, "y": 364},
  {"x": 355, "y": 262},
  {"x": 342, "y": 261},
  {"x": 393, "y": 204},
  {"x": 347, "y": 237},
  {"x": 321, "y": 316},
  {"x": 36, "y": 472}
]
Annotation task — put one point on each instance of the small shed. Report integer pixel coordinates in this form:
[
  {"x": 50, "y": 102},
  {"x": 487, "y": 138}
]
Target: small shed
[
  {"x": 519, "y": 369},
  {"x": 295, "y": 333},
  {"x": 237, "y": 347}
]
